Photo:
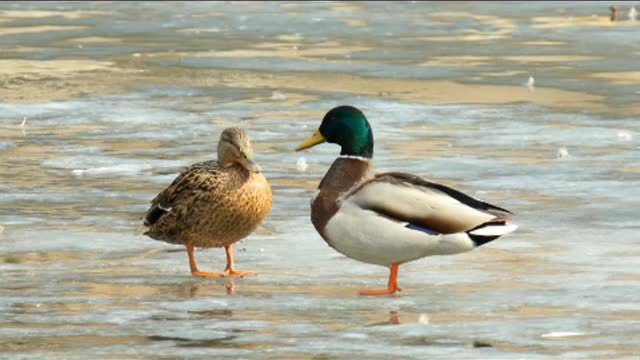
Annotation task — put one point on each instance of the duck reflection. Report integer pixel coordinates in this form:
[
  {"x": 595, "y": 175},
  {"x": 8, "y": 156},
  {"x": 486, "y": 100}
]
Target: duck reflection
[
  {"x": 393, "y": 319},
  {"x": 205, "y": 289},
  {"x": 407, "y": 318}
]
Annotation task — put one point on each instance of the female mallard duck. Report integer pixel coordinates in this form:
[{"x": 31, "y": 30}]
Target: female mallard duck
[
  {"x": 391, "y": 218},
  {"x": 213, "y": 203}
]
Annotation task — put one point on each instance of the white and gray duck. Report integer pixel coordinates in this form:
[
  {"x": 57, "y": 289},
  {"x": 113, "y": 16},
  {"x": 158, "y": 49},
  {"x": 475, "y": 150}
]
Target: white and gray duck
[{"x": 391, "y": 218}]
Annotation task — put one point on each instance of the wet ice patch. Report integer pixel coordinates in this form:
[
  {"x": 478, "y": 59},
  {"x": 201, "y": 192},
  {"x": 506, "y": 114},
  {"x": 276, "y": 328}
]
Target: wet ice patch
[
  {"x": 624, "y": 136},
  {"x": 530, "y": 83},
  {"x": 279, "y": 96},
  {"x": 7, "y": 146},
  {"x": 301, "y": 164},
  {"x": 143, "y": 113},
  {"x": 193, "y": 306},
  {"x": 140, "y": 109},
  {"x": 40, "y": 195},
  {"x": 354, "y": 336},
  {"x": 81, "y": 149},
  {"x": 112, "y": 170},
  {"x": 560, "y": 334},
  {"x": 110, "y": 166},
  {"x": 562, "y": 153},
  {"x": 99, "y": 165},
  {"x": 65, "y": 240}
]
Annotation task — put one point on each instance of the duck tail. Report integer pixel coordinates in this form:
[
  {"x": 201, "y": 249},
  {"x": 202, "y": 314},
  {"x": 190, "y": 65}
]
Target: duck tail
[{"x": 490, "y": 231}]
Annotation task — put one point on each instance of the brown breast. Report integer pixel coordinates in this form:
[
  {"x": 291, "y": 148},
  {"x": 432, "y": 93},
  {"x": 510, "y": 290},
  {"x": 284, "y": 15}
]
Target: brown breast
[
  {"x": 344, "y": 174},
  {"x": 235, "y": 212},
  {"x": 216, "y": 208}
]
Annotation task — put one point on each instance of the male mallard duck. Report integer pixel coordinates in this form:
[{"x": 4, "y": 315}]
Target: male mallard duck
[
  {"x": 618, "y": 13},
  {"x": 391, "y": 218},
  {"x": 213, "y": 203}
]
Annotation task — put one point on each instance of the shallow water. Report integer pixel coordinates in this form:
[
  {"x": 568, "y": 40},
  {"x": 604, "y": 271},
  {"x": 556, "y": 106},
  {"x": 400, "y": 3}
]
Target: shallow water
[{"x": 117, "y": 97}]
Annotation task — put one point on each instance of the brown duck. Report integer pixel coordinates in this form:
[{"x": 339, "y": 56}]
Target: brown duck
[{"x": 213, "y": 203}]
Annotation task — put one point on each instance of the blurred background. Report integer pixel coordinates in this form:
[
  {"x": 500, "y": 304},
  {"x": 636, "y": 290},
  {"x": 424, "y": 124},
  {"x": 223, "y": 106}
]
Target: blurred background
[{"x": 528, "y": 105}]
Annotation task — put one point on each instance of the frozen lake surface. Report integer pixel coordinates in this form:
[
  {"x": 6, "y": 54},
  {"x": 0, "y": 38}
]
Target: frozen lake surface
[{"x": 104, "y": 103}]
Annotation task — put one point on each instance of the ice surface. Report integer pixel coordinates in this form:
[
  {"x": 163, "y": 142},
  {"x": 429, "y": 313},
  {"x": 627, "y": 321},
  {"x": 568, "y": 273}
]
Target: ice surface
[
  {"x": 77, "y": 281},
  {"x": 301, "y": 164},
  {"x": 144, "y": 283}
]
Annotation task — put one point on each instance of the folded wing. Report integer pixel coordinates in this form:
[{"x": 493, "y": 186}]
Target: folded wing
[
  {"x": 185, "y": 184},
  {"x": 428, "y": 206}
]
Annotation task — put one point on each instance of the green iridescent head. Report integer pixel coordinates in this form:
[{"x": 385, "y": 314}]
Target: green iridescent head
[{"x": 346, "y": 126}]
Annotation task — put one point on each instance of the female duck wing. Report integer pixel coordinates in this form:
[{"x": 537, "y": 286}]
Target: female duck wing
[
  {"x": 161, "y": 204},
  {"x": 426, "y": 205},
  {"x": 188, "y": 180}
]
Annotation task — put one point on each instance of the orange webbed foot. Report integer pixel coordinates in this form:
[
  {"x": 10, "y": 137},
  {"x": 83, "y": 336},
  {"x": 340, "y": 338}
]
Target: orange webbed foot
[
  {"x": 204, "y": 274},
  {"x": 388, "y": 291},
  {"x": 234, "y": 273},
  {"x": 393, "y": 284},
  {"x": 230, "y": 271}
]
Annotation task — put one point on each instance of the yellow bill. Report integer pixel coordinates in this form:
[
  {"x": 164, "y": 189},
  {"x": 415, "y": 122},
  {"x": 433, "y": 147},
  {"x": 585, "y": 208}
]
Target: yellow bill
[{"x": 314, "y": 140}]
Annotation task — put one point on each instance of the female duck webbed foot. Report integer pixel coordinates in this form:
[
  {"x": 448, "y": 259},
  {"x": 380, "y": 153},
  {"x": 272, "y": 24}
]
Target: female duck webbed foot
[
  {"x": 194, "y": 266},
  {"x": 393, "y": 284},
  {"x": 204, "y": 274},
  {"x": 228, "y": 272},
  {"x": 235, "y": 273}
]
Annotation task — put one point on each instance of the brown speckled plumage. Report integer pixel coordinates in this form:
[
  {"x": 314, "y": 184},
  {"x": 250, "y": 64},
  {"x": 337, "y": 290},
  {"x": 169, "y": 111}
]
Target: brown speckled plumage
[
  {"x": 212, "y": 206},
  {"x": 213, "y": 203}
]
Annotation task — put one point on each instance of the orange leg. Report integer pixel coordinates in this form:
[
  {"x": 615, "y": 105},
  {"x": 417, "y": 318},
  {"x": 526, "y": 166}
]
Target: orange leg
[
  {"x": 194, "y": 266},
  {"x": 230, "y": 271},
  {"x": 393, "y": 284}
]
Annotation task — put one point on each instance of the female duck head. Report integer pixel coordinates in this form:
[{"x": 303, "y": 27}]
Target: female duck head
[
  {"x": 346, "y": 126},
  {"x": 234, "y": 147}
]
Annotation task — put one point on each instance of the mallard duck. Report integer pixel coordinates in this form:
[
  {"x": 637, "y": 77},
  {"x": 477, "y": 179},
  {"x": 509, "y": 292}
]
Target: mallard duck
[
  {"x": 618, "y": 13},
  {"x": 213, "y": 203},
  {"x": 391, "y": 218}
]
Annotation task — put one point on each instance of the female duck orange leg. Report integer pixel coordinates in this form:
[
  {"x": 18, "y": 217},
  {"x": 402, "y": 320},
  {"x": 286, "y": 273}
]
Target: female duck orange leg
[
  {"x": 194, "y": 267},
  {"x": 393, "y": 284},
  {"x": 228, "y": 272}
]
